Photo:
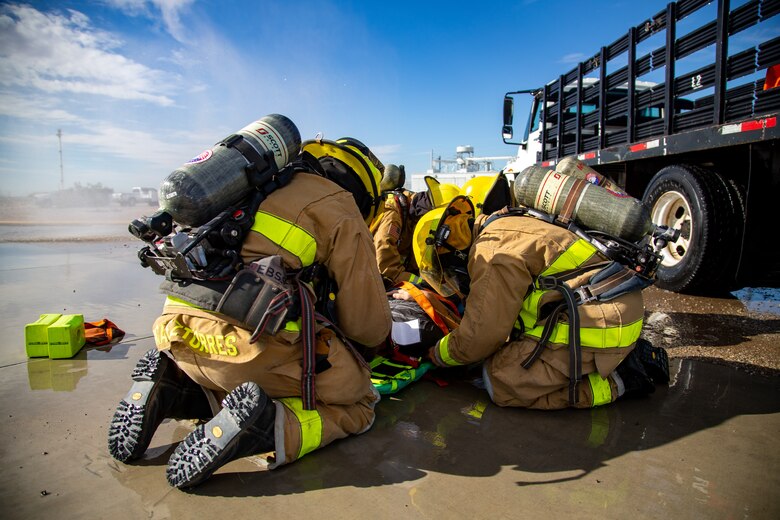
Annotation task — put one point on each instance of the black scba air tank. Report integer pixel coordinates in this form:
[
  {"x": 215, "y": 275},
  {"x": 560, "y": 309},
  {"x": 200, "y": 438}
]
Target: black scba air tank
[{"x": 217, "y": 178}]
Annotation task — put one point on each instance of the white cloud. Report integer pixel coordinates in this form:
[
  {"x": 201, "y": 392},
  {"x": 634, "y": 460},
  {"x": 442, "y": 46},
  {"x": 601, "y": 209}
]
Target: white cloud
[
  {"x": 125, "y": 143},
  {"x": 575, "y": 57},
  {"x": 170, "y": 10},
  {"x": 34, "y": 107},
  {"x": 58, "y": 53}
]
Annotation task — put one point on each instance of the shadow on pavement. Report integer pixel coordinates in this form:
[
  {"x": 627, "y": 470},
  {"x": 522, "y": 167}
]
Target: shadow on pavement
[{"x": 457, "y": 431}]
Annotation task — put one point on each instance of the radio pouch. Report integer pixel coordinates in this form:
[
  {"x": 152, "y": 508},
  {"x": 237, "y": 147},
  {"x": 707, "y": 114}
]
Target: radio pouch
[{"x": 259, "y": 296}]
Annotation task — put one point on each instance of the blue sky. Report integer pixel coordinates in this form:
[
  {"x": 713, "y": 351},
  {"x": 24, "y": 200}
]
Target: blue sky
[{"x": 140, "y": 86}]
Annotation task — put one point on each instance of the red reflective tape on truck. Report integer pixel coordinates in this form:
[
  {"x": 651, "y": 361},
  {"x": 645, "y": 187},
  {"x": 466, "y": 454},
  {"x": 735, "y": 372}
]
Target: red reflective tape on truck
[
  {"x": 585, "y": 156},
  {"x": 644, "y": 146},
  {"x": 545, "y": 164},
  {"x": 749, "y": 126}
]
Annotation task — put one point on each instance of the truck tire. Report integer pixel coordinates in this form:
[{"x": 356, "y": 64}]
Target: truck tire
[{"x": 709, "y": 212}]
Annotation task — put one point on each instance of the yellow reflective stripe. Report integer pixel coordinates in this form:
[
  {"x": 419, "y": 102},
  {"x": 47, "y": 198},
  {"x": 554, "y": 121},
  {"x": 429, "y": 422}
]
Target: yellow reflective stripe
[
  {"x": 444, "y": 352},
  {"x": 311, "y": 424},
  {"x": 574, "y": 256},
  {"x": 172, "y": 300},
  {"x": 293, "y": 326},
  {"x": 529, "y": 313},
  {"x": 602, "y": 392},
  {"x": 287, "y": 235},
  {"x": 413, "y": 278},
  {"x": 594, "y": 337}
]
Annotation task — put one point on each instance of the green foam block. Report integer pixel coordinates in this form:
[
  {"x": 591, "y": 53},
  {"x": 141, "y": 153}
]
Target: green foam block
[
  {"x": 66, "y": 336},
  {"x": 36, "y": 335}
]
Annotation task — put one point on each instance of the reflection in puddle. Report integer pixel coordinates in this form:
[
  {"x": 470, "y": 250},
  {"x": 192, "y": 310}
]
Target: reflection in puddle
[
  {"x": 760, "y": 299},
  {"x": 60, "y": 375}
]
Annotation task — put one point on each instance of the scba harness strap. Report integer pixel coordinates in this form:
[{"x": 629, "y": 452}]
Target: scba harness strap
[
  {"x": 575, "y": 348},
  {"x": 612, "y": 280},
  {"x": 264, "y": 297},
  {"x": 203, "y": 266}
]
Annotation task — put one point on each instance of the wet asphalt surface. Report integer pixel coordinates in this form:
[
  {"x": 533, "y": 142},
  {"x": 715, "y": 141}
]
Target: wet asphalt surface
[
  {"x": 706, "y": 446},
  {"x": 740, "y": 329}
]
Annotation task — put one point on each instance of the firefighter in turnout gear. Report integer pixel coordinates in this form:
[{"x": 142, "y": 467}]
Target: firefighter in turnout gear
[
  {"x": 287, "y": 390},
  {"x": 516, "y": 325},
  {"x": 393, "y": 231}
]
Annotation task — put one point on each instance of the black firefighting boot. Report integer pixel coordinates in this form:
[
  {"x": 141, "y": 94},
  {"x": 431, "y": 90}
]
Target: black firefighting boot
[
  {"x": 635, "y": 379},
  {"x": 244, "y": 427},
  {"x": 160, "y": 390},
  {"x": 654, "y": 360}
]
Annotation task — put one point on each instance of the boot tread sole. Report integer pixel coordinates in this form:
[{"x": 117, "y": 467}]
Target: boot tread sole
[
  {"x": 126, "y": 433},
  {"x": 199, "y": 455}
]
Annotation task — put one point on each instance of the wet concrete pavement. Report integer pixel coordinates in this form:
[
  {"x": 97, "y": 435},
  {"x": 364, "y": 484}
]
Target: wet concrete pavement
[{"x": 705, "y": 447}]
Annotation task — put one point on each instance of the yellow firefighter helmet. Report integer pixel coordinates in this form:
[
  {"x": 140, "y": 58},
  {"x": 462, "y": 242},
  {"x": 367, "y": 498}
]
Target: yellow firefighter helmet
[
  {"x": 441, "y": 242},
  {"x": 440, "y": 193},
  {"x": 488, "y": 193}
]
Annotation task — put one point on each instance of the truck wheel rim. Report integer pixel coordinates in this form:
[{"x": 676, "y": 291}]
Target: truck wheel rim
[{"x": 672, "y": 210}]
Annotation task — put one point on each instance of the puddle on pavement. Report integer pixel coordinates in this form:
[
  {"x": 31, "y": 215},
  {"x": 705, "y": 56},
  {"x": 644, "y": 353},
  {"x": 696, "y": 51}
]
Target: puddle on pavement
[{"x": 60, "y": 375}]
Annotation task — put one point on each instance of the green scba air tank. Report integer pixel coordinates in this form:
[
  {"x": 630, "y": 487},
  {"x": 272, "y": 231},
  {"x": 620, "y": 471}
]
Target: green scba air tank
[
  {"x": 575, "y": 168},
  {"x": 592, "y": 208},
  {"x": 205, "y": 185}
]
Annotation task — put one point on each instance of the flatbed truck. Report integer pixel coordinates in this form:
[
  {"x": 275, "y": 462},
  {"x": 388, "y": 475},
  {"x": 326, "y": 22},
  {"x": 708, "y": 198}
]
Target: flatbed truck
[{"x": 700, "y": 147}]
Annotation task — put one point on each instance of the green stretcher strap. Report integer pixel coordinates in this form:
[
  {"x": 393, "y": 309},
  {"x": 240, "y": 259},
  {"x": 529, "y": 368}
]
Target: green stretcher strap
[{"x": 389, "y": 376}]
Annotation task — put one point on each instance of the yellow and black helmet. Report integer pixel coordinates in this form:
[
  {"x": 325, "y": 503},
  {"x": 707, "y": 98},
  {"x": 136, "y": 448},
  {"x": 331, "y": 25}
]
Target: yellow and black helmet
[
  {"x": 350, "y": 164},
  {"x": 442, "y": 239},
  {"x": 488, "y": 193}
]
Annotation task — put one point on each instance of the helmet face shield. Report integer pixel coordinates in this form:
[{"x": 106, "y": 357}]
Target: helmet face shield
[
  {"x": 443, "y": 240},
  {"x": 447, "y": 279}
]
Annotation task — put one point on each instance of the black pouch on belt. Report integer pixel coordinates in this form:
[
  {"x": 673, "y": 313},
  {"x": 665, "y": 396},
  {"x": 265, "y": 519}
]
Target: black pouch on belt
[{"x": 259, "y": 296}]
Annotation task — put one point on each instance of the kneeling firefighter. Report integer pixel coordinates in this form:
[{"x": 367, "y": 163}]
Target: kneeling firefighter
[
  {"x": 555, "y": 320},
  {"x": 394, "y": 230},
  {"x": 260, "y": 332}
]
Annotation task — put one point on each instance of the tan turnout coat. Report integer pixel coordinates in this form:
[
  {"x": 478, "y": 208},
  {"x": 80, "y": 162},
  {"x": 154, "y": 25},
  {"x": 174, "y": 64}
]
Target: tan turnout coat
[
  {"x": 503, "y": 262},
  {"x": 393, "y": 243},
  {"x": 216, "y": 353}
]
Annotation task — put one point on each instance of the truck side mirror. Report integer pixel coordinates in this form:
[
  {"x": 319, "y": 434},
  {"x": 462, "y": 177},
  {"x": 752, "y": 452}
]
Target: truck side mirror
[
  {"x": 506, "y": 132},
  {"x": 509, "y": 106}
]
